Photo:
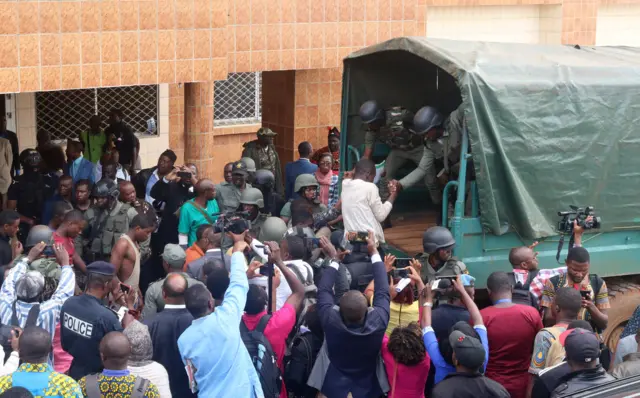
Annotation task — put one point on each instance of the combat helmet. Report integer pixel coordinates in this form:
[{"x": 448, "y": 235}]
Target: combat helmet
[
  {"x": 371, "y": 112},
  {"x": 37, "y": 234},
  {"x": 305, "y": 180},
  {"x": 436, "y": 238},
  {"x": 105, "y": 188},
  {"x": 264, "y": 178},
  {"x": 252, "y": 196},
  {"x": 273, "y": 230},
  {"x": 250, "y": 163},
  {"x": 425, "y": 119}
]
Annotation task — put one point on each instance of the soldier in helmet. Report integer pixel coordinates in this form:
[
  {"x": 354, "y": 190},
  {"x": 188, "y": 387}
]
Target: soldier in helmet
[
  {"x": 264, "y": 154},
  {"x": 251, "y": 201},
  {"x": 306, "y": 186},
  {"x": 228, "y": 195},
  {"x": 441, "y": 140},
  {"x": 29, "y": 191},
  {"x": 251, "y": 169},
  {"x": 106, "y": 220},
  {"x": 273, "y": 202},
  {"x": 437, "y": 260},
  {"x": 391, "y": 127}
]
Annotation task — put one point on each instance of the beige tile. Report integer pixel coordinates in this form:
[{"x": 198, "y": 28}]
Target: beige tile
[
  {"x": 110, "y": 46},
  {"x": 129, "y": 14},
  {"x": 71, "y": 78},
  {"x": 50, "y": 49},
  {"x": 218, "y": 68},
  {"x": 9, "y": 80},
  {"x": 110, "y": 15},
  {"x": 243, "y": 61},
  {"x": 166, "y": 14},
  {"x": 129, "y": 73},
  {"x": 111, "y": 74},
  {"x": 302, "y": 11},
  {"x": 9, "y": 12},
  {"x": 91, "y": 75},
  {"x": 166, "y": 71},
  {"x": 302, "y": 36},
  {"x": 243, "y": 37},
  {"x": 184, "y": 71},
  {"x": 9, "y": 46},
  {"x": 28, "y": 17},
  {"x": 91, "y": 48},
  {"x": 218, "y": 44},
  {"x": 184, "y": 14},
  {"x": 184, "y": 44},
  {"x": 50, "y": 78},
  {"x": 201, "y": 70},
  {"x": 219, "y": 14},
  {"x": 202, "y": 14},
  {"x": 147, "y": 16},
  {"x": 128, "y": 47},
  {"x": 202, "y": 43},
  {"x": 49, "y": 17},
  {"x": 273, "y": 60},
  {"x": 29, "y": 79},
  {"x": 90, "y": 16},
  {"x": 71, "y": 43},
  {"x": 69, "y": 16},
  {"x": 148, "y": 72},
  {"x": 148, "y": 47},
  {"x": 288, "y": 36},
  {"x": 166, "y": 44}
]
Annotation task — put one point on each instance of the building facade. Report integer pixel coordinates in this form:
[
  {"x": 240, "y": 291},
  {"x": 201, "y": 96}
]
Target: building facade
[{"x": 201, "y": 76}]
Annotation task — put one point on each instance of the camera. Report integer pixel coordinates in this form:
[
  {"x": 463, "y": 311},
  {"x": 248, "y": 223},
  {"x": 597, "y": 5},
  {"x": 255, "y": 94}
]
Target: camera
[
  {"x": 579, "y": 214},
  {"x": 234, "y": 222}
]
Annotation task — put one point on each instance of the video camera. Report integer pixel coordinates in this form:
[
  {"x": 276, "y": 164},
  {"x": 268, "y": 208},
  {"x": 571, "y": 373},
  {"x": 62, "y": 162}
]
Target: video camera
[
  {"x": 579, "y": 214},
  {"x": 235, "y": 222}
]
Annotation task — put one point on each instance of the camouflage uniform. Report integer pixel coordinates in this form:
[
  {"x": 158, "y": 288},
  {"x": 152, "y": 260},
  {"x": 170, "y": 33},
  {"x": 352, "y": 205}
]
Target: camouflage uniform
[
  {"x": 451, "y": 267},
  {"x": 265, "y": 158},
  {"x": 404, "y": 145},
  {"x": 228, "y": 196},
  {"x": 47, "y": 266},
  {"x": 105, "y": 228}
]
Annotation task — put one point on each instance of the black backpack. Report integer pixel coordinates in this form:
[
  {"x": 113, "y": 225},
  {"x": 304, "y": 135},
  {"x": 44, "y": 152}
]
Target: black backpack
[
  {"x": 521, "y": 293},
  {"x": 298, "y": 365},
  {"x": 263, "y": 357}
]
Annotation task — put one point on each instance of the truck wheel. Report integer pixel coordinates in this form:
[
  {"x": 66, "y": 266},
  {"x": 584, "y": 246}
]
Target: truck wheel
[{"x": 624, "y": 298}]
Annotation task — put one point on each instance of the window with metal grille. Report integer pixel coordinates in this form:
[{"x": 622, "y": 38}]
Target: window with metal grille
[
  {"x": 64, "y": 114},
  {"x": 238, "y": 100}
]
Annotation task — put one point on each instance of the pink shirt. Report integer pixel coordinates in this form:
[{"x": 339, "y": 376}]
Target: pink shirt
[
  {"x": 67, "y": 243},
  {"x": 277, "y": 331},
  {"x": 409, "y": 380},
  {"x": 61, "y": 358}
]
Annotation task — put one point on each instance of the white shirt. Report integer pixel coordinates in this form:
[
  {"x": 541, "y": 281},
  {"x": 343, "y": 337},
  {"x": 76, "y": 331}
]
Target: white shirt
[
  {"x": 362, "y": 208},
  {"x": 156, "y": 374}
]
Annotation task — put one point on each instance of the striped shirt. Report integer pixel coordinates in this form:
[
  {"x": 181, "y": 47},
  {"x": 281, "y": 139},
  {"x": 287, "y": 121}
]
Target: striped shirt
[
  {"x": 334, "y": 191},
  {"x": 49, "y": 310}
]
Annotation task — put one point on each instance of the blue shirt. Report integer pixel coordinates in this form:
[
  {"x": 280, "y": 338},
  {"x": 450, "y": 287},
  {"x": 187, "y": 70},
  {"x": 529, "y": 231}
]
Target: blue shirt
[
  {"x": 41, "y": 381},
  {"x": 153, "y": 178},
  {"x": 442, "y": 367},
  {"x": 75, "y": 165},
  {"x": 214, "y": 348}
]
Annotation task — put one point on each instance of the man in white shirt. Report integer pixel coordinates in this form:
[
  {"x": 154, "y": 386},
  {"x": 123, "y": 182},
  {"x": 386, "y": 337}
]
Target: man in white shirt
[{"x": 362, "y": 208}]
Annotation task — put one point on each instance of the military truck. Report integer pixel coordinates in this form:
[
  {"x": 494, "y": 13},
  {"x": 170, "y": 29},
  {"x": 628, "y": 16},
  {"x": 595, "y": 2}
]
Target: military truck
[{"x": 545, "y": 127}]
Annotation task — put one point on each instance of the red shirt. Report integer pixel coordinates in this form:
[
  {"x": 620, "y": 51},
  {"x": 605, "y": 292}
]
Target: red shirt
[
  {"x": 67, "y": 243},
  {"x": 511, "y": 333},
  {"x": 277, "y": 331}
]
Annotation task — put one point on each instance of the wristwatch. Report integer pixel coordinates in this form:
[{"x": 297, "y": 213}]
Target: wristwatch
[{"x": 428, "y": 304}]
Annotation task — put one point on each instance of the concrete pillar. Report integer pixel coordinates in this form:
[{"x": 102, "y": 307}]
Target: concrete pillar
[{"x": 199, "y": 136}]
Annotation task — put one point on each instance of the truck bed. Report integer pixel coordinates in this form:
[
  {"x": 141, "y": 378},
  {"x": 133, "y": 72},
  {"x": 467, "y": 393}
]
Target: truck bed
[{"x": 405, "y": 235}]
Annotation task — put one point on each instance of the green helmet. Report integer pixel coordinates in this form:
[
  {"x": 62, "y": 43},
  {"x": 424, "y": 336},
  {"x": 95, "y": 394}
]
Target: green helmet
[
  {"x": 252, "y": 196},
  {"x": 273, "y": 230},
  {"x": 37, "y": 234},
  {"x": 305, "y": 180},
  {"x": 250, "y": 163}
]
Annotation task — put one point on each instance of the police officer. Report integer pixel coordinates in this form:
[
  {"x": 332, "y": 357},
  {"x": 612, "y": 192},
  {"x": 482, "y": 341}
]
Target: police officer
[
  {"x": 85, "y": 320},
  {"x": 107, "y": 220},
  {"x": 441, "y": 140},
  {"x": 273, "y": 201},
  {"x": 251, "y": 201},
  {"x": 228, "y": 195},
  {"x": 251, "y": 169},
  {"x": 273, "y": 230},
  {"x": 306, "y": 186},
  {"x": 391, "y": 127},
  {"x": 437, "y": 261},
  {"x": 29, "y": 192}
]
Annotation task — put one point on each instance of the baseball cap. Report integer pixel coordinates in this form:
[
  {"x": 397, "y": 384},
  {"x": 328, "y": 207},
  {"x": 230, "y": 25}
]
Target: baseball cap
[
  {"x": 101, "y": 267},
  {"x": 582, "y": 346},
  {"x": 30, "y": 285},
  {"x": 267, "y": 131},
  {"x": 174, "y": 255},
  {"x": 469, "y": 350},
  {"x": 239, "y": 167}
]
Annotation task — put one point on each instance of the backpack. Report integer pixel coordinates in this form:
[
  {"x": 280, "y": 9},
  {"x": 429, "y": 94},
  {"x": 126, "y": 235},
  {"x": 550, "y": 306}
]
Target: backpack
[
  {"x": 521, "y": 293},
  {"x": 310, "y": 294},
  {"x": 5, "y": 330},
  {"x": 298, "y": 365},
  {"x": 140, "y": 387},
  {"x": 262, "y": 356}
]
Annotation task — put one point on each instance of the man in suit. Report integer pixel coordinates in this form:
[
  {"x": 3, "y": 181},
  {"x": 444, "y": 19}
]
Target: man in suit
[
  {"x": 77, "y": 166},
  {"x": 353, "y": 327},
  {"x": 300, "y": 166}
]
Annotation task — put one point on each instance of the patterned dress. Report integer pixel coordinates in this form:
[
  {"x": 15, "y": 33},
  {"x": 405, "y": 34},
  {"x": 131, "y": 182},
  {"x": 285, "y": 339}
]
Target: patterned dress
[
  {"x": 29, "y": 375},
  {"x": 112, "y": 386}
]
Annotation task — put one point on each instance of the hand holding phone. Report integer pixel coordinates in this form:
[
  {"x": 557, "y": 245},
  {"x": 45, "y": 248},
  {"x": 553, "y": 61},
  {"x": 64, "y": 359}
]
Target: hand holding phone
[{"x": 586, "y": 295}]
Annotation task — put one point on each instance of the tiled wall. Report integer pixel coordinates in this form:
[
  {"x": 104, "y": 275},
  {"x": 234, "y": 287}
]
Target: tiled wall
[
  {"x": 517, "y": 24},
  {"x": 150, "y": 146},
  {"x": 618, "y": 24}
]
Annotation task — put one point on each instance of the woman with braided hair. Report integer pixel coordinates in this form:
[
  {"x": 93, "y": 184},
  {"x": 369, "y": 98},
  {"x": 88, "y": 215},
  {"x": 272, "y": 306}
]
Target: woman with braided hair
[{"x": 406, "y": 362}]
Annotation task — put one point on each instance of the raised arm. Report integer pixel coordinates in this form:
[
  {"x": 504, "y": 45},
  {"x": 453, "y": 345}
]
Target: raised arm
[
  {"x": 297, "y": 288},
  {"x": 235, "y": 297},
  {"x": 8, "y": 291},
  {"x": 381, "y": 297},
  {"x": 325, "y": 287},
  {"x": 67, "y": 285},
  {"x": 381, "y": 210}
]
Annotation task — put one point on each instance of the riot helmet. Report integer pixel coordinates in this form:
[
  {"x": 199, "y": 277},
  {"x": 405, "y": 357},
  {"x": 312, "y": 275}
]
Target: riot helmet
[
  {"x": 371, "y": 112},
  {"x": 252, "y": 196},
  {"x": 250, "y": 163},
  {"x": 30, "y": 159},
  {"x": 37, "y": 234},
  {"x": 264, "y": 179},
  {"x": 105, "y": 188},
  {"x": 436, "y": 238},
  {"x": 305, "y": 180},
  {"x": 425, "y": 119},
  {"x": 273, "y": 230}
]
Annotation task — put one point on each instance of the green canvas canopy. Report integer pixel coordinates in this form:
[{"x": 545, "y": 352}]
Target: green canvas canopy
[{"x": 549, "y": 126}]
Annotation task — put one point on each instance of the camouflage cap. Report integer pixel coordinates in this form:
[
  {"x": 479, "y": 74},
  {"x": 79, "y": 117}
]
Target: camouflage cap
[
  {"x": 174, "y": 255},
  {"x": 239, "y": 167},
  {"x": 267, "y": 131}
]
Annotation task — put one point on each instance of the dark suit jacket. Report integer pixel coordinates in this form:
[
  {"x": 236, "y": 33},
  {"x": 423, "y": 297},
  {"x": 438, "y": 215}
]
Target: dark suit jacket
[
  {"x": 293, "y": 170},
  {"x": 84, "y": 171},
  {"x": 173, "y": 195},
  {"x": 353, "y": 350}
]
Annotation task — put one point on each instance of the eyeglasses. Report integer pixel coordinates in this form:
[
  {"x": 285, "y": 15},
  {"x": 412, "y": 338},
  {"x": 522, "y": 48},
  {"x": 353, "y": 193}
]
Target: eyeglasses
[{"x": 325, "y": 163}]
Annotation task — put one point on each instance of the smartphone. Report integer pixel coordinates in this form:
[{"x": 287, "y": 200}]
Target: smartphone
[
  {"x": 360, "y": 237},
  {"x": 125, "y": 288},
  {"x": 585, "y": 294},
  {"x": 313, "y": 243},
  {"x": 266, "y": 270},
  {"x": 403, "y": 262},
  {"x": 400, "y": 273},
  {"x": 48, "y": 251},
  {"x": 184, "y": 175}
]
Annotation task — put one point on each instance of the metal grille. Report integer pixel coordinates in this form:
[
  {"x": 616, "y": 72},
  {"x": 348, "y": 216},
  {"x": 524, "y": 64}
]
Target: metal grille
[
  {"x": 238, "y": 100},
  {"x": 64, "y": 114}
]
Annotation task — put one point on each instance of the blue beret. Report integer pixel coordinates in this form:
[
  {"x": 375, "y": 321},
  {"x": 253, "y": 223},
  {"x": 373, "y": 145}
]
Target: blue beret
[{"x": 101, "y": 267}]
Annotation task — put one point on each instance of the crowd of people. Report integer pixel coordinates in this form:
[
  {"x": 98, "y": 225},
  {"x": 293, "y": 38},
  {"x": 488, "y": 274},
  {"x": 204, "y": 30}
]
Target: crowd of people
[{"x": 276, "y": 282}]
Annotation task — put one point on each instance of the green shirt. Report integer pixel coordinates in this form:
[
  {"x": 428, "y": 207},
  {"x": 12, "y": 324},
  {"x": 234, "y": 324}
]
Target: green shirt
[
  {"x": 93, "y": 145},
  {"x": 192, "y": 216}
]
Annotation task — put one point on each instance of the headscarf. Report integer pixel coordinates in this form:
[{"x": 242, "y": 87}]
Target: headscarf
[{"x": 141, "y": 345}]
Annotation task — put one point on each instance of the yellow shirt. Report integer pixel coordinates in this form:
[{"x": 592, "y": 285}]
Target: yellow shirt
[{"x": 402, "y": 315}]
